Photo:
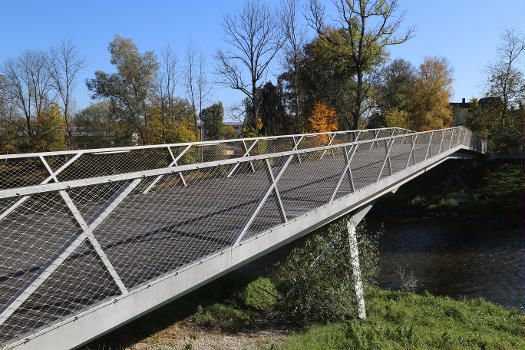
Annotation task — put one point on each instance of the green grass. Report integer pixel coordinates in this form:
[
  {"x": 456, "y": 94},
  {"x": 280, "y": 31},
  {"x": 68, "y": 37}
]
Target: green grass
[{"x": 402, "y": 320}]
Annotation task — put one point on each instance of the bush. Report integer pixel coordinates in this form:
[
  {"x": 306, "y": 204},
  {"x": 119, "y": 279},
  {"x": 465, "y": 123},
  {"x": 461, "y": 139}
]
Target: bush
[
  {"x": 315, "y": 280},
  {"x": 225, "y": 317},
  {"x": 260, "y": 294}
]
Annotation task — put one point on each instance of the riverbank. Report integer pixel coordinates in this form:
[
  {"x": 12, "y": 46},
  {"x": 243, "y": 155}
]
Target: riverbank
[
  {"x": 498, "y": 188},
  {"x": 395, "y": 320},
  {"x": 403, "y": 320}
]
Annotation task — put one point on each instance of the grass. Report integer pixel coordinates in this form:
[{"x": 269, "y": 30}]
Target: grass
[{"x": 403, "y": 320}]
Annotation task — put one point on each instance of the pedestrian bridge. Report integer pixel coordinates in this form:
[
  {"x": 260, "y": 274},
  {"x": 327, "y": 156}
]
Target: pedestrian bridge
[{"x": 92, "y": 239}]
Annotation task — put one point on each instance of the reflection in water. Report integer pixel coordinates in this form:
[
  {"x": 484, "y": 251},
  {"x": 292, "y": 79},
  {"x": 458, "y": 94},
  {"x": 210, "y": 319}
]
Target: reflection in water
[{"x": 457, "y": 260}]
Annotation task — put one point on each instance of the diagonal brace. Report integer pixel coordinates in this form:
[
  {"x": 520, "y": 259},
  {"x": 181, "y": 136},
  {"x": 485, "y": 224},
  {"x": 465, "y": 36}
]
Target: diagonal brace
[
  {"x": 261, "y": 202},
  {"x": 172, "y": 164},
  {"x": 69, "y": 247},
  {"x": 246, "y": 154}
]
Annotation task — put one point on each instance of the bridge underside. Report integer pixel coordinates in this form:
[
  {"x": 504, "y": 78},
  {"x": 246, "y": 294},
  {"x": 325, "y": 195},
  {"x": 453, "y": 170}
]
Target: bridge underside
[{"x": 192, "y": 227}]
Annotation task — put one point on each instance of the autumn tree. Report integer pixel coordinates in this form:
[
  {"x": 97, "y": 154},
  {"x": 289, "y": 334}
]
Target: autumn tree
[
  {"x": 228, "y": 132},
  {"x": 322, "y": 119},
  {"x": 367, "y": 29},
  {"x": 175, "y": 127},
  {"x": 49, "y": 130},
  {"x": 429, "y": 96},
  {"x": 253, "y": 39},
  {"x": 130, "y": 89}
]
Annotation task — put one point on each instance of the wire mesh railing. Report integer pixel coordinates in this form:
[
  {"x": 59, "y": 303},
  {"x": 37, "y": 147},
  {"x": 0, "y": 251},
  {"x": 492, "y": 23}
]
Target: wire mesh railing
[{"x": 80, "y": 228}]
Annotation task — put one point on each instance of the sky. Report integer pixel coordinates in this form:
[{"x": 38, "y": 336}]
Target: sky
[{"x": 466, "y": 32}]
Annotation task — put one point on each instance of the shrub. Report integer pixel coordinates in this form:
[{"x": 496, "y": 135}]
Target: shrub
[
  {"x": 260, "y": 294},
  {"x": 225, "y": 317},
  {"x": 315, "y": 280}
]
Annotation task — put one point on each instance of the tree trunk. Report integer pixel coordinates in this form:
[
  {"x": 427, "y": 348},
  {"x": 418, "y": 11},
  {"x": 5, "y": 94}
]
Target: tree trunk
[{"x": 356, "y": 113}]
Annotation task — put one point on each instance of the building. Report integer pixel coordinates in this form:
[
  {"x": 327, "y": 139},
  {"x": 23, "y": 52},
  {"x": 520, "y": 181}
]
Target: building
[{"x": 460, "y": 110}]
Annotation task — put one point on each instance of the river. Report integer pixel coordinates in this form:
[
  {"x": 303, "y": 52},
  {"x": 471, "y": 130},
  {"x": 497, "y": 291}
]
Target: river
[{"x": 455, "y": 259}]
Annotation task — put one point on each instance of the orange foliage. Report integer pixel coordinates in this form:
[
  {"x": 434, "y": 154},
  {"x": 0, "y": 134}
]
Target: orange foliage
[{"x": 323, "y": 119}]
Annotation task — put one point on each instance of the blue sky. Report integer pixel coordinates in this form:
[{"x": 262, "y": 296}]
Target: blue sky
[{"x": 466, "y": 32}]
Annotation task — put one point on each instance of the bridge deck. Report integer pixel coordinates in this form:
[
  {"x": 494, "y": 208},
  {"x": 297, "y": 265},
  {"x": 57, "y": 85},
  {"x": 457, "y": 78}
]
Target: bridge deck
[{"x": 151, "y": 234}]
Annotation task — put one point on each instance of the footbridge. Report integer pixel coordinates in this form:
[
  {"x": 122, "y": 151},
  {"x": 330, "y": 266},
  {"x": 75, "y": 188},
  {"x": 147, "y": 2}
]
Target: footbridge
[{"x": 92, "y": 239}]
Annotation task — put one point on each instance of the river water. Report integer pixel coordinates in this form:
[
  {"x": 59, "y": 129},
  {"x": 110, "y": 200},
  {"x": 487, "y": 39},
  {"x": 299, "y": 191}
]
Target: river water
[{"x": 455, "y": 259}]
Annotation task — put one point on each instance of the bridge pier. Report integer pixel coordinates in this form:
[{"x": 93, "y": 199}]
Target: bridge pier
[
  {"x": 455, "y": 177},
  {"x": 352, "y": 223}
]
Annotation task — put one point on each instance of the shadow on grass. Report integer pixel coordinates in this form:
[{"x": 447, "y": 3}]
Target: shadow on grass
[{"x": 221, "y": 289}]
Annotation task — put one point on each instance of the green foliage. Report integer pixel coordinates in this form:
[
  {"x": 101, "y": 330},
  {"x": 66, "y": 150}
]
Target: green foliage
[
  {"x": 497, "y": 186},
  {"x": 316, "y": 281},
  {"x": 130, "y": 88},
  {"x": 98, "y": 127},
  {"x": 260, "y": 294},
  {"x": 212, "y": 118},
  {"x": 402, "y": 320},
  {"x": 396, "y": 79},
  {"x": 273, "y": 113}
]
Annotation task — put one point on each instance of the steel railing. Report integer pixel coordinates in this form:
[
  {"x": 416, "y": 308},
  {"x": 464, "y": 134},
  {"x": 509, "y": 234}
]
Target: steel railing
[{"x": 93, "y": 225}]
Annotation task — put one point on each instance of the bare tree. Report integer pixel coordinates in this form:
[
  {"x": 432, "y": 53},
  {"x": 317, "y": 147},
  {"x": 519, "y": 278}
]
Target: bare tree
[
  {"x": 293, "y": 44},
  {"x": 167, "y": 80},
  {"x": 189, "y": 77},
  {"x": 505, "y": 80},
  {"x": 197, "y": 85},
  {"x": 368, "y": 27},
  {"x": 203, "y": 85},
  {"x": 28, "y": 84},
  {"x": 254, "y": 39},
  {"x": 65, "y": 63}
]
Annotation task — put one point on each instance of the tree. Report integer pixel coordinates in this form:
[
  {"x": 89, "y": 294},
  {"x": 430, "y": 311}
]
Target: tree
[
  {"x": 65, "y": 63},
  {"x": 130, "y": 89},
  {"x": 228, "y": 132},
  {"x": 197, "y": 85},
  {"x": 177, "y": 127},
  {"x": 317, "y": 80},
  {"x": 272, "y": 111},
  {"x": 293, "y": 44},
  {"x": 49, "y": 130},
  {"x": 323, "y": 119},
  {"x": 28, "y": 84},
  {"x": 166, "y": 82},
  {"x": 212, "y": 119},
  {"x": 505, "y": 80},
  {"x": 254, "y": 39},
  {"x": 430, "y": 95},
  {"x": 368, "y": 28},
  {"x": 10, "y": 121},
  {"x": 96, "y": 126},
  {"x": 396, "y": 79}
]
